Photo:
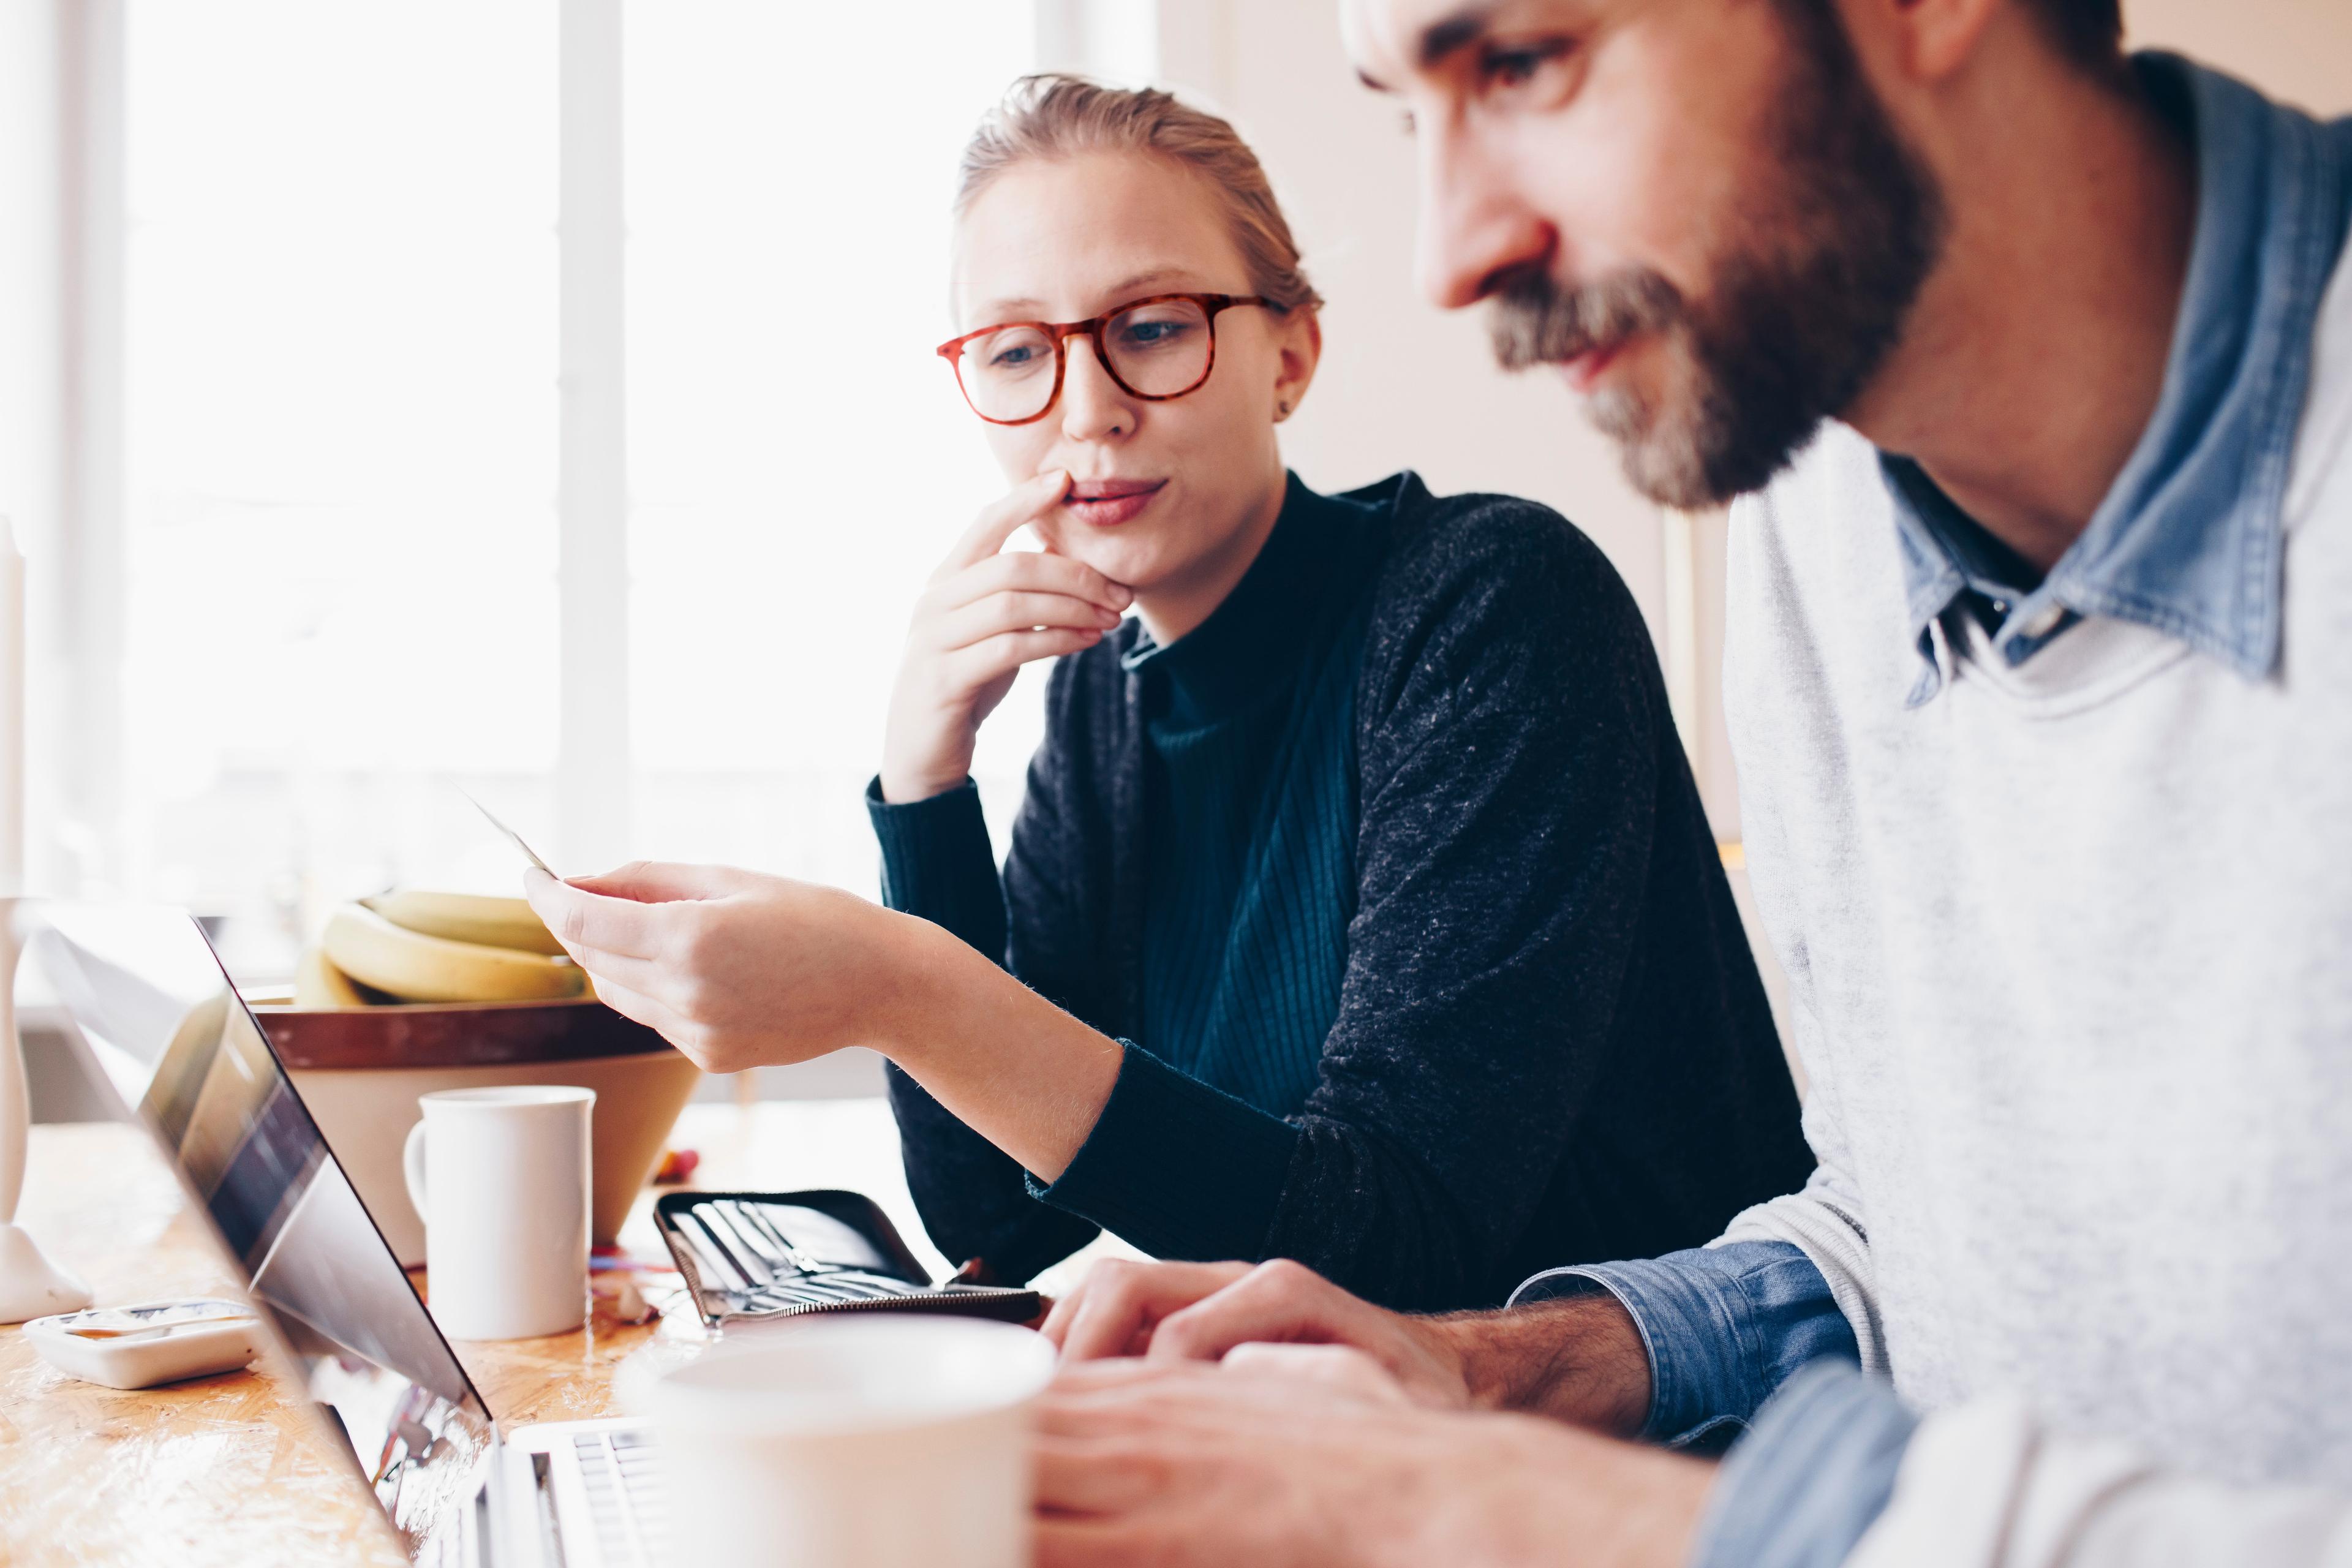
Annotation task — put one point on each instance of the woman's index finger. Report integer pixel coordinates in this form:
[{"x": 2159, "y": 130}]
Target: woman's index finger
[{"x": 1003, "y": 517}]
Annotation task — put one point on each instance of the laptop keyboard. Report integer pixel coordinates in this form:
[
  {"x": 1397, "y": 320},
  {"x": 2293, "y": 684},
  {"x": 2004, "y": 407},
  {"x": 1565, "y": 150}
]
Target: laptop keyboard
[{"x": 627, "y": 1500}]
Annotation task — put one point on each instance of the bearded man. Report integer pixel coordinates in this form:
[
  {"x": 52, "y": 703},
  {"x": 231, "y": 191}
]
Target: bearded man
[{"x": 2033, "y": 363}]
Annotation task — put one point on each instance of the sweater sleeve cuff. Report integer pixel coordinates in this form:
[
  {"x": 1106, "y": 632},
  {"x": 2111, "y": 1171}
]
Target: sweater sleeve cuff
[
  {"x": 1176, "y": 1167},
  {"x": 1805, "y": 1485},
  {"x": 1725, "y": 1327},
  {"x": 936, "y": 858}
]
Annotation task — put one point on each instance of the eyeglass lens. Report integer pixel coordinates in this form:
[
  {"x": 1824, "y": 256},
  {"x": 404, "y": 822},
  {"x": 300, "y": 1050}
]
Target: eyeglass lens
[{"x": 1157, "y": 350}]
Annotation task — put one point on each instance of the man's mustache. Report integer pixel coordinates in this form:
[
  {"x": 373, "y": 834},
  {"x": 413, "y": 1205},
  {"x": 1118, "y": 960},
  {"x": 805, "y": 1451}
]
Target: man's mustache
[{"x": 1534, "y": 321}]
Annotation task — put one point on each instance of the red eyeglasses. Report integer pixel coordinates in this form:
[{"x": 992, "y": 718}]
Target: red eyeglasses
[{"x": 1155, "y": 349}]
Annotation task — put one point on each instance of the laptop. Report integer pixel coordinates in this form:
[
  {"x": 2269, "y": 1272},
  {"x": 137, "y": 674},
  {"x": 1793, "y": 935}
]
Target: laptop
[{"x": 156, "y": 1017}]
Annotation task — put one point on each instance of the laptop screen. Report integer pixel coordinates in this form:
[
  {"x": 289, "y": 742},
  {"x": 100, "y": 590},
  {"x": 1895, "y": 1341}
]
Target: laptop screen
[{"x": 162, "y": 1023}]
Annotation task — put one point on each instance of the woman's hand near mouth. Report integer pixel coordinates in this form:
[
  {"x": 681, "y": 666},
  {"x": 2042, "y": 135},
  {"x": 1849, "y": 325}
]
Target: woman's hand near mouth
[{"x": 986, "y": 612}]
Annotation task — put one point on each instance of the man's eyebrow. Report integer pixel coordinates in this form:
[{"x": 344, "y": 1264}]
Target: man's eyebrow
[{"x": 1449, "y": 35}]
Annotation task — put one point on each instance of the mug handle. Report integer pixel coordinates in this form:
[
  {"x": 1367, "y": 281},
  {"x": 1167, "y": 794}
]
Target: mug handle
[{"x": 412, "y": 1165}]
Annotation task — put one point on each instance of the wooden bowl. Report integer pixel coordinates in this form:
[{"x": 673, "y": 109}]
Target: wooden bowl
[{"x": 361, "y": 1070}]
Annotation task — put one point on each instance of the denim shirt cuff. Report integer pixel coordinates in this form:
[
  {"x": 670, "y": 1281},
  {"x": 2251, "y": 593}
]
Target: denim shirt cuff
[
  {"x": 1807, "y": 1483},
  {"x": 1722, "y": 1326}
]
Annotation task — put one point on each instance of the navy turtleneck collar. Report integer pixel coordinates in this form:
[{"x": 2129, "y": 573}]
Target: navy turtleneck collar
[{"x": 1252, "y": 643}]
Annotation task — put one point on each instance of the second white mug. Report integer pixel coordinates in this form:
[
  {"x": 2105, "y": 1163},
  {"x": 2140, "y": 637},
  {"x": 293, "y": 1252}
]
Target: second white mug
[
  {"x": 501, "y": 1178},
  {"x": 889, "y": 1440}
]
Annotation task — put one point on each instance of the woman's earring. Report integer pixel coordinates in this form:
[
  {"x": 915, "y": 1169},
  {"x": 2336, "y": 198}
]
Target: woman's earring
[{"x": 1281, "y": 411}]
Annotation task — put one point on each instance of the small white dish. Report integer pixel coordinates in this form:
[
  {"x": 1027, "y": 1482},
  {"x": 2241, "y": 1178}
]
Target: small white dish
[{"x": 152, "y": 1342}]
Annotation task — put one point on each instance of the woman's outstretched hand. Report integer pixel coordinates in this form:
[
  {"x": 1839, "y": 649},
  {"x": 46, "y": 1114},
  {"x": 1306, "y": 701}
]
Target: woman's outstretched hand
[
  {"x": 739, "y": 971},
  {"x": 985, "y": 613},
  {"x": 735, "y": 969}
]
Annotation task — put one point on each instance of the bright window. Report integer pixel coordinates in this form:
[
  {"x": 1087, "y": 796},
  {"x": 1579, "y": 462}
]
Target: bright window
[
  {"x": 340, "y": 523},
  {"x": 341, "y": 538},
  {"x": 798, "y": 457}
]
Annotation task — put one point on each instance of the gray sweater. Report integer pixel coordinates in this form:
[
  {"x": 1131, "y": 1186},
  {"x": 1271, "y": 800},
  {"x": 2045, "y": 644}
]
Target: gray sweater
[
  {"x": 2070, "y": 955},
  {"x": 2056, "y": 863}
]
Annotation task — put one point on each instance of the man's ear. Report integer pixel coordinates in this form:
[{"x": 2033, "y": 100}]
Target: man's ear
[
  {"x": 1926, "y": 40},
  {"x": 1299, "y": 344}
]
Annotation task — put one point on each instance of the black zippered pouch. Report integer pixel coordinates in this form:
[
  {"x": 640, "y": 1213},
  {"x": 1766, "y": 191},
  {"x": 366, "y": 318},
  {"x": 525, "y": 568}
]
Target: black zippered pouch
[{"x": 756, "y": 1255}]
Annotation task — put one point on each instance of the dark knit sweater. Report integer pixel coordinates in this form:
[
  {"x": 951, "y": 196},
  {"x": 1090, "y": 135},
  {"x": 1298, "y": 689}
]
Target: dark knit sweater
[
  {"x": 1547, "y": 1042},
  {"x": 1249, "y": 809}
]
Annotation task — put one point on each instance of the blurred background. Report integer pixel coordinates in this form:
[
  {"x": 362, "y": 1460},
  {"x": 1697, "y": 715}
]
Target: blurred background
[{"x": 536, "y": 396}]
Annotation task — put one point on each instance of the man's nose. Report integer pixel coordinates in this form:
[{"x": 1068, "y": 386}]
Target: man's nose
[
  {"x": 1094, "y": 406},
  {"x": 1477, "y": 229}
]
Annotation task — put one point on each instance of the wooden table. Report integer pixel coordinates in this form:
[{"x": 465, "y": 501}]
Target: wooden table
[{"x": 229, "y": 1469}]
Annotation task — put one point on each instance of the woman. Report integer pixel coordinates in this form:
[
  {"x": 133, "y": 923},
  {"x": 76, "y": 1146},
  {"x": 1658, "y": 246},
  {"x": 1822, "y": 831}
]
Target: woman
[{"x": 1362, "y": 855}]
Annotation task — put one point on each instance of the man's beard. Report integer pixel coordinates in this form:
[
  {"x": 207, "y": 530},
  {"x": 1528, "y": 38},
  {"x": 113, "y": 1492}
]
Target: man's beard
[{"x": 1810, "y": 291}]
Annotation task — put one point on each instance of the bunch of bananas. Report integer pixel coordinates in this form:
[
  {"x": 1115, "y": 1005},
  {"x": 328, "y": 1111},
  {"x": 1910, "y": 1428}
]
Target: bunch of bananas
[{"x": 413, "y": 946}]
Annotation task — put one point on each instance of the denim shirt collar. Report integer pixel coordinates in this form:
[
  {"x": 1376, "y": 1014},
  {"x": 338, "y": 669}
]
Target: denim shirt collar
[{"x": 2191, "y": 539}]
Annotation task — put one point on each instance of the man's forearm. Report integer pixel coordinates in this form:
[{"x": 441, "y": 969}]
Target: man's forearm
[{"x": 1580, "y": 1360}]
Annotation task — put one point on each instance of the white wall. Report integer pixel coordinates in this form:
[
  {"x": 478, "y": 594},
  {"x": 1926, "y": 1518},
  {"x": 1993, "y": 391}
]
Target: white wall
[{"x": 2299, "y": 50}]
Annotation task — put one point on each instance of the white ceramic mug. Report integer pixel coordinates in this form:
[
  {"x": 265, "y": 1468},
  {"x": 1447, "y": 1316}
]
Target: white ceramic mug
[
  {"x": 501, "y": 1178},
  {"x": 880, "y": 1441}
]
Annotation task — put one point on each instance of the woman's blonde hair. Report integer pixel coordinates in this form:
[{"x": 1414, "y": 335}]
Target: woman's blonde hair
[{"x": 1054, "y": 115}]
